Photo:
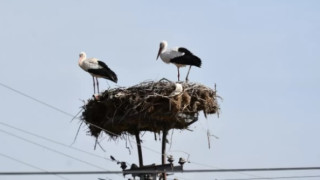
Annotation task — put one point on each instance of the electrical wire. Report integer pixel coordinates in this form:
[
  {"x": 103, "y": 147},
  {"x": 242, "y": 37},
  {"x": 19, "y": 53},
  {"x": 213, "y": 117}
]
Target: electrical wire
[
  {"x": 30, "y": 165},
  {"x": 281, "y": 177},
  {"x": 53, "y": 141},
  {"x": 167, "y": 171},
  {"x": 205, "y": 165},
  {"x": 50, "y": 149},
  {"x": 36, "y": 100}
]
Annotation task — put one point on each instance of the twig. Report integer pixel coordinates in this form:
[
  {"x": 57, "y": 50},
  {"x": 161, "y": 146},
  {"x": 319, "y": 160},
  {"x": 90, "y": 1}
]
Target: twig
[{"x": 75, "y": 138}]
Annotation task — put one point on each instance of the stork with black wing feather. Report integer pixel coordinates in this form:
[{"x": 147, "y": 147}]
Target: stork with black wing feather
[
  {"x": 179, "y": 56},
  {"x": 97, "y": 69}
]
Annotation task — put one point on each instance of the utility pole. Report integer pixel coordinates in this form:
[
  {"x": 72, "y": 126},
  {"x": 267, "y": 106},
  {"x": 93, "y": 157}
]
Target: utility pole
[
  {"x": 137, "y": 134},
  {"x": 163, "y": 151}
]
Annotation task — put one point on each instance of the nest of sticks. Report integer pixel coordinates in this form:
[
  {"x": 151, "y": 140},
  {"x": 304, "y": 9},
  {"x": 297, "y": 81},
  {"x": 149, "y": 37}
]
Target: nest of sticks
[{"x": 148, "y": 106}]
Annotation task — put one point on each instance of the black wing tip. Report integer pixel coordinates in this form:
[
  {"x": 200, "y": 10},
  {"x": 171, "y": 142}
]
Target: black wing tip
[
  {"x": 111, "y": 76},
  {"x": 199, "y": 63},
  {"x": 196, "y": 61},
  {"x": 114, "y": 79}
]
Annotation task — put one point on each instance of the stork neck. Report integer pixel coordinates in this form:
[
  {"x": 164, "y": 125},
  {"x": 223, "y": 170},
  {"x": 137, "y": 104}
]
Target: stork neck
[
  {"x": 81, "y": 59},
  {"x": 164, "y": 48}
]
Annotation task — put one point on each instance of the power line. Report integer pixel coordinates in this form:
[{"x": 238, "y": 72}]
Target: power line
[
  {"x": 50, "y": 149},
  {"x": 168, "y": 171},
  {"x": 30, "y": 165},
  {"x": 205, "y": 165},
  {"x": 254, "y": 169},
  {"x": 37, "y": 100},
  {"x": 281, "y": 177},
  {"x": 53, "y": 141}
]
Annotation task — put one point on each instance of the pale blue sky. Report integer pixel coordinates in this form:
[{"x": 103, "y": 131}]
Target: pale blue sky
[{"x": 263, "y": 56}]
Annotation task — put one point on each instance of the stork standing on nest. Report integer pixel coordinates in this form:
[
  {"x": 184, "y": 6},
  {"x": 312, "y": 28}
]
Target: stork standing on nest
[
  {"x": 97, "y": 69},
  {"x": 179, "y": 56}
]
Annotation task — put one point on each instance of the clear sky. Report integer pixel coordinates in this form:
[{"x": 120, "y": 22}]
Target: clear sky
[{"x": 263, "y": 55}]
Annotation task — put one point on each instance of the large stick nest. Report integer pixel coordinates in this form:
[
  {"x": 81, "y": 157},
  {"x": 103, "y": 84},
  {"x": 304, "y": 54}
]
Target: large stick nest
[{"x": 148, "y": 106}]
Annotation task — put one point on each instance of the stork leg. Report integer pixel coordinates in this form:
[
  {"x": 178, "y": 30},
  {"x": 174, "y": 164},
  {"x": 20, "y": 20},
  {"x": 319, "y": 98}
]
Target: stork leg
[
  {"x": 97, "y": 84},
  {"x": 188, "y": 74},
  {"x": 94, "y": 85},
  {"x": 178, "y": 73}
]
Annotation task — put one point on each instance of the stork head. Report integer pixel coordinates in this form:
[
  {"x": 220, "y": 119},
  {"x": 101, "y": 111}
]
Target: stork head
[
  {"x": 163, "y": 46},
  {"x": 82, "y": 55}
]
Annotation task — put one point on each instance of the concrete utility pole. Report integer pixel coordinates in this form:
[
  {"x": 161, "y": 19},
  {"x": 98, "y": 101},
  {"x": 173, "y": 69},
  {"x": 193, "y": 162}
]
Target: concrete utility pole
[{"x": 163, "y": 151}]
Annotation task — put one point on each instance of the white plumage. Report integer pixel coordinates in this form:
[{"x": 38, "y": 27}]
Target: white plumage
[
  {"x": 178, "y": 90},
  {"x": 89, "y": 63},
  {"x": 97, "y": 69}
]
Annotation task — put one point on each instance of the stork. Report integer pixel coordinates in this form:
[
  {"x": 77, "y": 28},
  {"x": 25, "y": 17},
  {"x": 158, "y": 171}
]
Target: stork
[
  {"x": 97, "y": 69},
  {"x": 179, "y": 56}
]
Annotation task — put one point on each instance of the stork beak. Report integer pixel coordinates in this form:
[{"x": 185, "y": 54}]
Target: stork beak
[{"x": 159, "y": 52}]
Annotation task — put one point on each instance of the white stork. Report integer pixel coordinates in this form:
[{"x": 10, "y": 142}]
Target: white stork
[
  {"x": 179, "y": 56},
  {"x": 97, "y": 69}
]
